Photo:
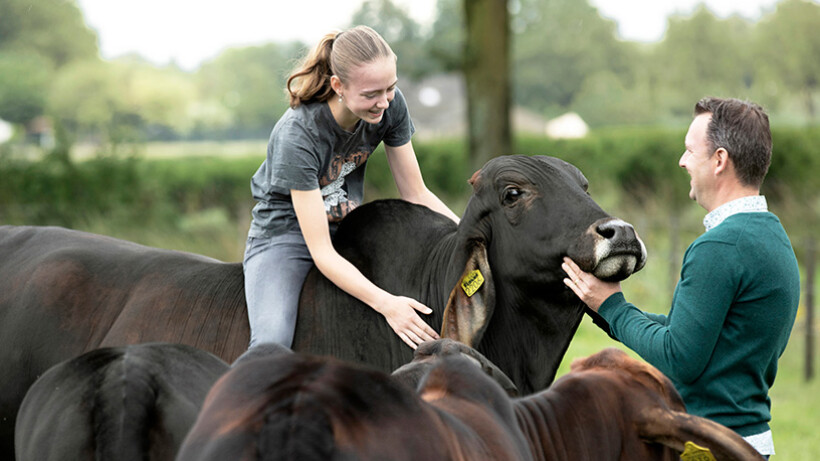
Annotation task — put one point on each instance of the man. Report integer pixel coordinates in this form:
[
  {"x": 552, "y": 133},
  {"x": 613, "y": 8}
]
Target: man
[{"x": 736, "y": 301}]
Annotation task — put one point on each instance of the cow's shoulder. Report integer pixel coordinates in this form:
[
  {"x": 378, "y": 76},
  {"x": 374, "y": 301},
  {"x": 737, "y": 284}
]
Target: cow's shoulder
[
  {"x": 395, "y": 213},
  {"x": 391, "y": 227}
]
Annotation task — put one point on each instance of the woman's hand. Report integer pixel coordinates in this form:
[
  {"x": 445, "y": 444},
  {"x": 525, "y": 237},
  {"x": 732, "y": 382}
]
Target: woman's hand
[{"x": 401, "y": 315}]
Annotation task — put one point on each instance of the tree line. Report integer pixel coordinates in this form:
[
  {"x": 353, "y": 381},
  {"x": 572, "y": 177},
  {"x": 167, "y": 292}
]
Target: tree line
[{"x": 563, "y": 57}]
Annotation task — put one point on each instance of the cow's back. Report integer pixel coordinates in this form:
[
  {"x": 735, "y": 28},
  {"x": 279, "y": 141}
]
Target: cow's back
[
  {"x": 128, "y": 403},
  {"x": 397, "y": 245},
  {"x": 65, "y": 292}
]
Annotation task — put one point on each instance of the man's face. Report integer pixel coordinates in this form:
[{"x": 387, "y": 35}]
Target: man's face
[{"x": 698, "y": 161}]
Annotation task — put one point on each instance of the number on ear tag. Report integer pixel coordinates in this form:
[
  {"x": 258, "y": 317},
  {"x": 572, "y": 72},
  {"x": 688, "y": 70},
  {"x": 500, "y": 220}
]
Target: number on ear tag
[{"x": 472, "y": 282}]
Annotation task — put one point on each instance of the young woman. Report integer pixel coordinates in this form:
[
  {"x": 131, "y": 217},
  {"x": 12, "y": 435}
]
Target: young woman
[{"x": 343, "y": 103}]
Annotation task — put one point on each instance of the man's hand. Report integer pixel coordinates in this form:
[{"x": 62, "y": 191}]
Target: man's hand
[{"x": 592, "y": 290}]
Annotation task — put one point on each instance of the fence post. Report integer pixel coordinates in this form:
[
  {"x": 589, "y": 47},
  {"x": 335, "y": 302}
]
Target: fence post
[{"x": 809, "y": 304}]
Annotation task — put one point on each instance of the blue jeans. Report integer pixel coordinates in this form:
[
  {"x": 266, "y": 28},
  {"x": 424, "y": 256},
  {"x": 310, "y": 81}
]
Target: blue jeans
[{"x": 275, "y": 270}]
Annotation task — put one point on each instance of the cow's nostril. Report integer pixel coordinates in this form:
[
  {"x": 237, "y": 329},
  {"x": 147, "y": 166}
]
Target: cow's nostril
[{"x": 606, "y": 231}]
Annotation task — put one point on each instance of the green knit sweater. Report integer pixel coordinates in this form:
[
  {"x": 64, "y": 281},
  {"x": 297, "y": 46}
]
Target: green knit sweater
[{"x": 731, "y": 316}]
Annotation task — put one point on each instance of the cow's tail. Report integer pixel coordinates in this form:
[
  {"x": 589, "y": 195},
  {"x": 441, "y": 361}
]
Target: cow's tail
[
  {"x": 674, "y": 429},
  {"x": 124, "y": 407}
]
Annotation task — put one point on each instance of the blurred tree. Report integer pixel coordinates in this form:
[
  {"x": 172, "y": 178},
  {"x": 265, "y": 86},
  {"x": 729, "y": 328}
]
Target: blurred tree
[
  {"x": 603, "y": 99},
  {"x": 250, "y": 84},
  {"x": 35, "y": 38},
  {"x": 24, "y": 81},
  {"x": 789, "y": 44},
  {"x": 83, "y": 97},
  {"x": 54, "y": 29},
  {"x": 702, "y": 56},
  {"x": 487, "y": 76},
  {"x": 400, "y": 31},
  {"x": 126, "y": 100},
  {"x": 557, "y": 45},
  {"x": 447, "y": 38},
  {"x": 160, "y": 98}
]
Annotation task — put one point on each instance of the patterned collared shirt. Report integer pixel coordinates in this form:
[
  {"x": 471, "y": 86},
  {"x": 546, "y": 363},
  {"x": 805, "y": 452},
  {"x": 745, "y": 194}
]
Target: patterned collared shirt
[{"x": 750, "y": 204}]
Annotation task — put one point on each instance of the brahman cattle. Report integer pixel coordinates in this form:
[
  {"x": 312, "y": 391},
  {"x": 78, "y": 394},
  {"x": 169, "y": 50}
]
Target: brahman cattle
[
  {"x": 63, "y": 292},
  {"x": 609, "y": 407},
  {"x": 496, "y": 277},
  {"x": 134, "y": 402}
]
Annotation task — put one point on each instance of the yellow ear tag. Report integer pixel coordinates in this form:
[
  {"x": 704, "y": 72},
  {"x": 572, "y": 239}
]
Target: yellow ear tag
[
  {"x": 472, "y": 282},
  {"x": 694, "y": 452}
]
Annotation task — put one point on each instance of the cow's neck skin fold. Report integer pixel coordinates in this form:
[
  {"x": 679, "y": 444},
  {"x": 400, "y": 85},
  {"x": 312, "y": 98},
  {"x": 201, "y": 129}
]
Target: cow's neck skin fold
[
  {"x": 543, "y": 334},
  {"x": 539, "y": 312},
  {"x": 446, "y": 266},
  {"x": 546, "y": 323},
  {"x": 555, "y": 429}
]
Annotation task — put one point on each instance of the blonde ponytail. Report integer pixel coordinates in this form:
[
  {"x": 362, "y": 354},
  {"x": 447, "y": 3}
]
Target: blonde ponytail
[{"x": 337, "y": 53}]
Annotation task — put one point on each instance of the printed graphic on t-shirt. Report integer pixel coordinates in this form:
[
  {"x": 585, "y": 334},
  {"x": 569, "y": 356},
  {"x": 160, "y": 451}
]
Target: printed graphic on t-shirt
[{"x": 337, "y": 202}]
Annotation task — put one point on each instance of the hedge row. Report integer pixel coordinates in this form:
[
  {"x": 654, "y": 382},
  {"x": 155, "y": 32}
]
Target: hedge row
[{"x": 637, "y": 161}]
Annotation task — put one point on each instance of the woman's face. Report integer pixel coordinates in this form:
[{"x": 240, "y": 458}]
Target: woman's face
[{"x": 369, "y": 90}]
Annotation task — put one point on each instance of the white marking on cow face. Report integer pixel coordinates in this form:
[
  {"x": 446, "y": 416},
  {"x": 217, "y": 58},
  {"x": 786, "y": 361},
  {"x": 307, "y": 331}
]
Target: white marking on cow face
[{"x": 610, "y": 260}]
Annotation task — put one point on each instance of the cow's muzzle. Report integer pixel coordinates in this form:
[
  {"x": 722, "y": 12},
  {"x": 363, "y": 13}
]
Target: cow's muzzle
[{"x": 610, "y": 249}]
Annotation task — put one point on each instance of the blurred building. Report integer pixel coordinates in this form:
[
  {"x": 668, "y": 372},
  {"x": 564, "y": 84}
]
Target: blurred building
[
  {"x": 6, "y": 131},
  {"x": 438, "y": 106},
  {"x": 567, "y": 126}
]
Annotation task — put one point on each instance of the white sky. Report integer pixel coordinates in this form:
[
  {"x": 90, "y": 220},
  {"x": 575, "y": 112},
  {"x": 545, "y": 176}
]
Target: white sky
[{"x": 192, "y": 31}]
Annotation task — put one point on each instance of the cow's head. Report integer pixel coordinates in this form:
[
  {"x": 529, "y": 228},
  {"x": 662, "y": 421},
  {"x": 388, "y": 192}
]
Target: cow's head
[
  {"x": 525, "y": 215},
  {"x": 429, "y": 354}
]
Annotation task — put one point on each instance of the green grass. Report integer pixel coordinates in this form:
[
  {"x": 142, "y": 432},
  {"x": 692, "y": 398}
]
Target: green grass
[{"x": 796, "y": 405}]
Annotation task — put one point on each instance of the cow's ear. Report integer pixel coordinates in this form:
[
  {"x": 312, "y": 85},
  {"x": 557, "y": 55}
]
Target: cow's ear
[
  {"x": 471, "y": 301},
  {"x": 682, "y": 431}
]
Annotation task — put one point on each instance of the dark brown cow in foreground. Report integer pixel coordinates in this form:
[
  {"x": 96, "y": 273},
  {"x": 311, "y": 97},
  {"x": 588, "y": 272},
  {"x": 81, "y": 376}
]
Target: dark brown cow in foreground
[
  {"x": 305, "y": 407},
  {"x": 609, "y": 407},
  {"x": 63, "y": 292},
  {"x": 126, "y": 403}
]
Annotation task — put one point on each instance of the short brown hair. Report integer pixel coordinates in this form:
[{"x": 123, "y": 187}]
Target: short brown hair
[{"x": 742, "y": 128}]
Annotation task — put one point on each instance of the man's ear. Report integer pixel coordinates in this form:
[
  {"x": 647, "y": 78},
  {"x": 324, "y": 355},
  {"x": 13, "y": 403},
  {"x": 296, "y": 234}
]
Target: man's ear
[
  {"x": 721, "y": 161},
  {"x": 471, "y": 301}
]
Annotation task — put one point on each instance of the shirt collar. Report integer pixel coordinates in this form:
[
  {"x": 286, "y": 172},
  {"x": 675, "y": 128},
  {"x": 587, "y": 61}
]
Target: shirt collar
[{"x": 750, "y": 204}]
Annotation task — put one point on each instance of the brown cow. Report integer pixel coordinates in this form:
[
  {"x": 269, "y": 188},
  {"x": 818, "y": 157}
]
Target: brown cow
[{"x": 610, "y": 407}]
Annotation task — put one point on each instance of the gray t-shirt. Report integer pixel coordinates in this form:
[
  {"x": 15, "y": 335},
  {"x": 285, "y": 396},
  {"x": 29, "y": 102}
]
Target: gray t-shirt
[{"x": 308, "y": 150}]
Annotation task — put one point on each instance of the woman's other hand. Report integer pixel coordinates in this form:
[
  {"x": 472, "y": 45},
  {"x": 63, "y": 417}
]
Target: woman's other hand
[{"x": 402, "y": 317}]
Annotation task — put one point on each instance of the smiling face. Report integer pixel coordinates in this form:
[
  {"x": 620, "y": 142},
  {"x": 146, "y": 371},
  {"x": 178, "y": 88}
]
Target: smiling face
[
  {"x": 367, "y": 93},
  {"x": 698, "y": 161}
]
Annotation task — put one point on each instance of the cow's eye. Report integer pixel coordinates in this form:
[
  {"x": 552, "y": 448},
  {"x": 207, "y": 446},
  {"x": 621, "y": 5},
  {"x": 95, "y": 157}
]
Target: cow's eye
[{"x": 511, "y": 194}]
